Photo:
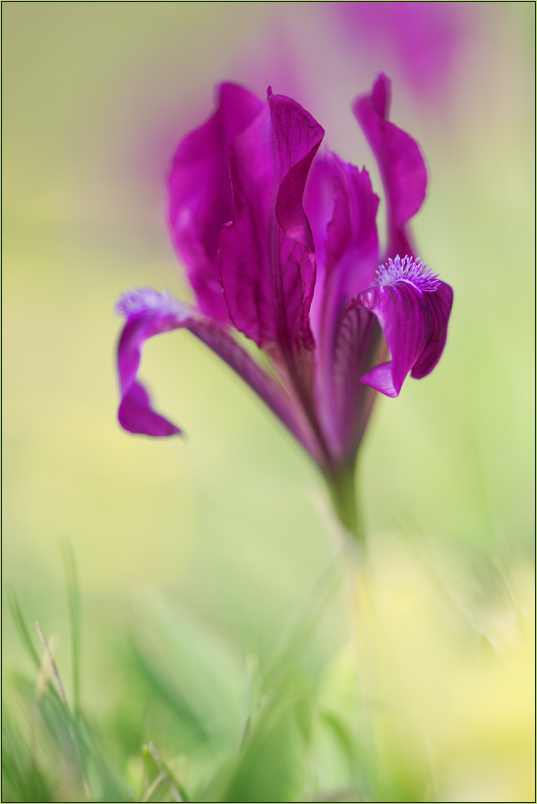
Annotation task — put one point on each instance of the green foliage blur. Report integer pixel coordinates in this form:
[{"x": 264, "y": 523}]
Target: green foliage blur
[{"x": 211, "y": 643}]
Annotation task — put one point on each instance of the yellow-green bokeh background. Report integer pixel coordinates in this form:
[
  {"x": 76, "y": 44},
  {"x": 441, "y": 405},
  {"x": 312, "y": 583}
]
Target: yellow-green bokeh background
[{"x": 230, "y": 519}]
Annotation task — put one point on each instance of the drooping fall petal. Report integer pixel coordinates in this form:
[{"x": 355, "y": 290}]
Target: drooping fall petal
[
  {"x": 266, "y": 257},
  {"x": 404, "y": 319},
  {"x": 136, "y": 414},
  {"x": 150, "y": 313},
  {"x": 412, "y": 307},
  {"x": 200, "y": 196},
  {"x": 400, "y": 162}
]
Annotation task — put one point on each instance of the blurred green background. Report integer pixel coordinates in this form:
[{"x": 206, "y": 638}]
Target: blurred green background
[{"x": 230, "y": 523}]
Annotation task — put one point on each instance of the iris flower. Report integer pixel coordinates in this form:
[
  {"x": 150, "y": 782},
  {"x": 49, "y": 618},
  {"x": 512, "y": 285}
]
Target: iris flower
[{"x": 281, "y": 245}]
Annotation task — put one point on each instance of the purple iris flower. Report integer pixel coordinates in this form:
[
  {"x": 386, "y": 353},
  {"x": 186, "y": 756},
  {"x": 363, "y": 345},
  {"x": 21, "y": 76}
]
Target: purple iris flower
[{"x": 281, "y": 245}]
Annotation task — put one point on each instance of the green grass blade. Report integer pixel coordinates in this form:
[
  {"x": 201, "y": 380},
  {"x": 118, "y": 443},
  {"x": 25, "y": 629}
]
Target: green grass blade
[
  {"x": 21, "y": 627},
  {"x": 22, "y": 778},
  {"x": 169, "y": 694},
  {"x": 73, "y": 597},
  {"x": 301, "y": 628}
]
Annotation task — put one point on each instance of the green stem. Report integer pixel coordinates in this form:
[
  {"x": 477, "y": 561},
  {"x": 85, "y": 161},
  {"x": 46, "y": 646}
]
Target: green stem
[{"x": 341, "y": 486}]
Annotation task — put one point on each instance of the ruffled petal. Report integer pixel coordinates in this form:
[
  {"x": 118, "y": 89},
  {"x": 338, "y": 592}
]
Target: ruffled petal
[
  {"x": 414, "y": 323},
  {"x": 200, "y": 197},
  {"x": 266, "y": 256},
  {"x": 401, "y": 165},
  {"x": 149, "y": 313}
]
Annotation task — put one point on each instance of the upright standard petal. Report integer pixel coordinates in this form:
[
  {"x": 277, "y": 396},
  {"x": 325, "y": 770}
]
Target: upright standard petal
[
  {"x": 319, "y": 198},
  {"x": 413, "y": 308},
  {"x": 266, "y": 256},
  {"x": 150, "y": 313},
  {"x": 341, "y": 208},
  {"x": 352, "y": 243},
  {"x": 400, "y": 162},
  {"x": 200, "y": 196},
  {"x": 350, "y": 261}
]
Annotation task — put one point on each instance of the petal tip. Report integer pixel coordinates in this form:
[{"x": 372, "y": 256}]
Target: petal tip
[{"x": 136, "y": 415}]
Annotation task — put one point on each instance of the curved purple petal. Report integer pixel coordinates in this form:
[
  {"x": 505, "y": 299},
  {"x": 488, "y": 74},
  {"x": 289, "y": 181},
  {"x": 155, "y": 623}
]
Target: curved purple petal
[
  {"x": 400, "y": 162},
  {"x": 352, "y": 240},
  {"x": 149, "y": 313},
  {"x": 319, "y": 208},
  {"x": 136, "y": 415},
  {"x": 200, "y": 197},
  {"x": 341, "y": 201},
  {"x": 414, "y": 323},
  {"x": 403, "y": 317},
  {"x": 266, "y": 256},
  {"x": 341, "y": 198}
]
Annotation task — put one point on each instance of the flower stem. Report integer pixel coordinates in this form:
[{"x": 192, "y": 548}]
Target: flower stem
[{"x": 342, "y": 489}]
